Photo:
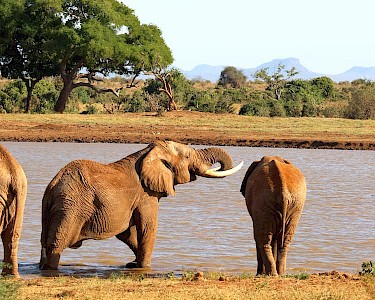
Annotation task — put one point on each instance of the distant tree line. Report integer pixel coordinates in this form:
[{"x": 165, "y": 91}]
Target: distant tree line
[{"x": 270, "y": 95}]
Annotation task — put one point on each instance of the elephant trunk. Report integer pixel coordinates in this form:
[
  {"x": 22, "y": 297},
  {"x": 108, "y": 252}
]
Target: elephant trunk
[{"x": 208, "y": 157}]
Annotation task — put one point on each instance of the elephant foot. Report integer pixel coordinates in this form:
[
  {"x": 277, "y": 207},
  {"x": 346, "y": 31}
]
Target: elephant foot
[
  {"x": 135, "y": 265},
  {"x": 49, "y": 262},
  {"x": 132, "y": 265},
  {"x": 47, "y": 267},
  {"x": 10, "y": 272}
]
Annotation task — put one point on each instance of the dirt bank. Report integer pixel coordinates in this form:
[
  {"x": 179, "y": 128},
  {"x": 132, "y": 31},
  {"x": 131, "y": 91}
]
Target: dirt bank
[{"x": 182, "y": 126}]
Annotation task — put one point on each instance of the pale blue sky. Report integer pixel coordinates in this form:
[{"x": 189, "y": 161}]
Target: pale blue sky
[{"x": 327, "y": 36}]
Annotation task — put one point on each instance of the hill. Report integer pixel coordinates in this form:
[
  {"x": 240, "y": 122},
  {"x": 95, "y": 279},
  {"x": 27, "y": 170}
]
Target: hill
[{"x": 212, "y": 73}]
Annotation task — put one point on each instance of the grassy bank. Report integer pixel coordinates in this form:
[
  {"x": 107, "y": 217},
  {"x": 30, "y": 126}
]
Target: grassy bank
[
  {"x": 328, "y": 286},
  {"x": 189, "y": 126},
  {"x": 290, "y": 126}
]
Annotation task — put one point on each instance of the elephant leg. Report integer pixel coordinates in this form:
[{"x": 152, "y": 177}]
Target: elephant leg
[
  {"x": 283, "y": 250},
  {"x": 260, "y": 267},
  {"x": 62, "y": 233},
  {"x": 263, "y": 242},
  {"x": 146, "y": 223},
  {"x": 129, "y": 237},
  {"x": 10, "y": 238}
]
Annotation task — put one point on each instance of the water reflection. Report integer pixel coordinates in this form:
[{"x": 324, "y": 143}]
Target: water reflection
[{"x": 206, "y": 225}]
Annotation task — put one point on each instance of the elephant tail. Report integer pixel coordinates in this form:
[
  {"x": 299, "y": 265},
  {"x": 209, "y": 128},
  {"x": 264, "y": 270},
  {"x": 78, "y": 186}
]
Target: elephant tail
[{"x": 283, "y": 221}]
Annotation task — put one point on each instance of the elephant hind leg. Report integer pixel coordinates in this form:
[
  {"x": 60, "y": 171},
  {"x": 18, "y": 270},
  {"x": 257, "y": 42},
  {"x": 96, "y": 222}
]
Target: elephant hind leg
[
  {"x": 60, "y": 235},
  {"x": 281, "y": 256},
  {"x": 10, "y": 238},
  {"x": 264, "y": 246}
]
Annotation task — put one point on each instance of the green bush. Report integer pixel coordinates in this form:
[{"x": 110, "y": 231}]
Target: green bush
[
  {"x": 368, "y": 268},
  {"x": 362, "y": 103},
  {"x": 255, "y": 108}
]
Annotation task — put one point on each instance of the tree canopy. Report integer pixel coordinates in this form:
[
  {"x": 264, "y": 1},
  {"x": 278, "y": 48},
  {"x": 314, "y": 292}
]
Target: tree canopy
[
  {"x": 277, "y": 80},
  {"x": 233, "y": 77},
  {"x": 81, "y": 40}
]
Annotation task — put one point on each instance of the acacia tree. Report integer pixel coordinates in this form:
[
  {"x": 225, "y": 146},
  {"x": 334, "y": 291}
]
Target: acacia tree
[
  {"x": 104, "y": 37},
  {"x": 87, "y": 39},
  {"x": 24, "y": 44},
  {"x": 277, "y": 81}
]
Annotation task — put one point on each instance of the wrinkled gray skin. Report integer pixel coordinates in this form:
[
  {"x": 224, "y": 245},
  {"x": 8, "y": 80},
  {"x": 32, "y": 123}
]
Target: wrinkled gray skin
[
  {"x": 90, "y": 200},
  {"x": 13, "y": 189},
  {"x": 275, "y": 193}
]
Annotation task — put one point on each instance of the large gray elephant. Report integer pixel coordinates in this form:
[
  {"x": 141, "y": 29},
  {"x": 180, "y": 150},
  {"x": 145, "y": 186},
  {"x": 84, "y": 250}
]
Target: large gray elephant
[
  {"x": 90, "y": 200},
  {"x": 275, "y": 193},
  {"x": 13, "y": 189}
]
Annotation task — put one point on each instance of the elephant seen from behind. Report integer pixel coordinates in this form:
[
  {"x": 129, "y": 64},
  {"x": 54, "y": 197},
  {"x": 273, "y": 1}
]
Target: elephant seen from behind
[
  {"x": 90, "y": 200},
  {"x": 13, "y": 189},
  {"x": 275, "y": 193}
]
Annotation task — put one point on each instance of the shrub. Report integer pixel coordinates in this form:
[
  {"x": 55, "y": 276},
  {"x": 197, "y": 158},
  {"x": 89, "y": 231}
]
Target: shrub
[
  {"x": 368, "y": 268},
  {"x": 362, "y": 103},
  {"x": 255, "y": 108}
]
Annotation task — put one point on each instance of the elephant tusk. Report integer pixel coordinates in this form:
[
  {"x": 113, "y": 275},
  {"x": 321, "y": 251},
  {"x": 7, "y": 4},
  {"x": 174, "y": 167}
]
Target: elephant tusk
[{"x": 214, "y": 173}]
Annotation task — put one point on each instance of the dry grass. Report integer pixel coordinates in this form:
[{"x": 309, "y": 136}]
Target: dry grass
[
  {"x": 290, "y": 127},
  {"x": 316, "y": 287}
]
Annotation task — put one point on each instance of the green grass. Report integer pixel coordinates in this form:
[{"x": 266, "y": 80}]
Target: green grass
[{"x": 9, "y": 288}]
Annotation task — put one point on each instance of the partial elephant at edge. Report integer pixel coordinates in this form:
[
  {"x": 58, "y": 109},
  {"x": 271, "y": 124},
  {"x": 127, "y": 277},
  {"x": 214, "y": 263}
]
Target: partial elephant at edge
[{"x": 13, "y": 190}]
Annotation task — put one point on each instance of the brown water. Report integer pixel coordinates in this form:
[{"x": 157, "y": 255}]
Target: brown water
[{"x": 206, "y": 225}]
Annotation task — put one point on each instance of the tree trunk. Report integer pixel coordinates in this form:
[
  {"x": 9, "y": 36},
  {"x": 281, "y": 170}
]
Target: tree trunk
[
  {"x": 28, "y": 98},
  {"x": 63, "y": 97},
  {"x": 171, "y": 104},
  {"x": 30, "y": 84}
]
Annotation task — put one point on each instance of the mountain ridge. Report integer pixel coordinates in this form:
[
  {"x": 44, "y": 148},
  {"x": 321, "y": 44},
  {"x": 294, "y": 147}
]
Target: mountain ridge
[{"x": 212, "y": 73}]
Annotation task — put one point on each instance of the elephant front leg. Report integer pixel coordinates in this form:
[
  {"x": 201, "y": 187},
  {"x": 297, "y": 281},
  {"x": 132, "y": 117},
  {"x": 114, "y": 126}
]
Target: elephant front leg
[
  {"x": 146, "y": 224},
  {"x": 129, "y": 237}
]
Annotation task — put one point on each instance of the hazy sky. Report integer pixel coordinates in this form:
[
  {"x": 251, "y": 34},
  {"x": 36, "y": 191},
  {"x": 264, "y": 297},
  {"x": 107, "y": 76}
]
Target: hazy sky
[{"x": 327, "y": 36}]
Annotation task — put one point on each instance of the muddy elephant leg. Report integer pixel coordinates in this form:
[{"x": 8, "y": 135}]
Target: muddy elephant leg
[
  {"x": 129, "y": 237},
  {"x": 10, "y": 238},
  {"x": 146, "y": 224},
  {"x": 263, "y": 243}
]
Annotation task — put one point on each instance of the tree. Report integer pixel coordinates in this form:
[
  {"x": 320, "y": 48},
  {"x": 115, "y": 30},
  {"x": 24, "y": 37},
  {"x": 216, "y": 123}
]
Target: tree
[
  {"x": 168, "y": 81},
  {"x": 24, "y": 44},
  {"x": 276, "y": 82},
  {"x": 91, "y": 39},
  {"x": 233, "y": 77},
  {"x": 324, "y": 85},
  {"x": 104, "y": 37}
]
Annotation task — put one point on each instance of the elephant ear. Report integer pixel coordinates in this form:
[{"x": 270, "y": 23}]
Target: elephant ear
[
  {"x": 248, "y": 173},
  {"x": 156, "y": 173}
]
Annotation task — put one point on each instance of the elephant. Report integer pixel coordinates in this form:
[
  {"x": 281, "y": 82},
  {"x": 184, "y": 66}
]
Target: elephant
[
  {"x": 275, "y": 193},
  {"x": 13, "y": 190},
  {"x": 90, "y": 200}
]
